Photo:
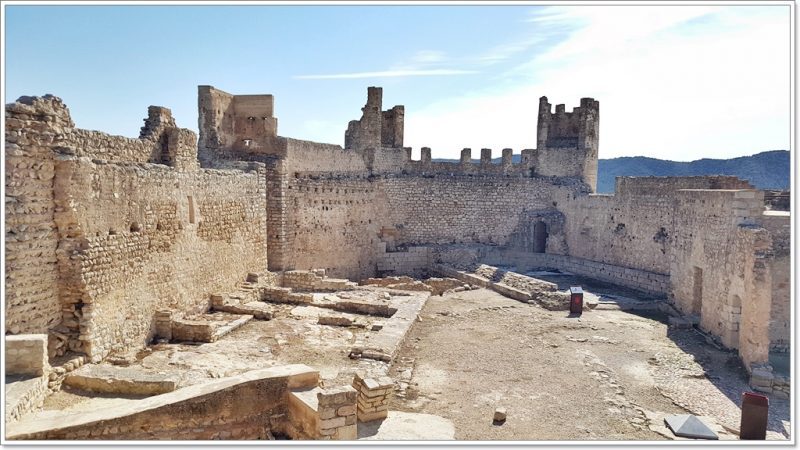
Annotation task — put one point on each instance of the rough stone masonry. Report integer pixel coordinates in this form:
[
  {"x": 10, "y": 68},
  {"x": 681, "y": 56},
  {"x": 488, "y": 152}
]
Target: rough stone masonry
[{"x": 104, "y": 233}]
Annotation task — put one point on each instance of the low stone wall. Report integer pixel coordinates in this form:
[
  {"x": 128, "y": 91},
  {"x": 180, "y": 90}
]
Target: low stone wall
[
  {"x": 26, "y": 354},
  {"x": 24, "y": 396},
  {"x": 414, "y": 261},
  {"x": 374, "y": 396},
  {"x": 204, "y": 330},
  {"x": 285, "y": 295},
  {"x": 121, "y": 380},
  {"x": 192, "y": 330},
  {"x": 648, "y": 282},
  {"x": 436, "y": 286},
  {"x": 247, "y": 406},
  {"x": 323, "y": 413},
  {"x": 763, "y": 379},
  {"x": 314, "y": 280}
]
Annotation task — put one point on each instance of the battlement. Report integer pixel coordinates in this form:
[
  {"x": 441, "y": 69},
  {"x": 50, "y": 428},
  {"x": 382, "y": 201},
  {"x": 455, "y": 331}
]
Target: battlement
[
  {"x": 466, "y": 165},
  {"x": 568, "y": 141}
]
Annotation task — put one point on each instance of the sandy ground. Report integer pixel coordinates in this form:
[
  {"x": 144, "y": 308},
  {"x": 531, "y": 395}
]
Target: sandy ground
[
  {"x": 293, "y": 337},
  {"x": 602, "y": 376},
  {"x": 606, "y": 375}
]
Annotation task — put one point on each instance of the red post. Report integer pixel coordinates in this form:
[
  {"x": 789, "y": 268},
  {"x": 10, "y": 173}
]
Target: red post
[
  {"x": 575, "y": 300},
  {"x": 755, "y": 408}
]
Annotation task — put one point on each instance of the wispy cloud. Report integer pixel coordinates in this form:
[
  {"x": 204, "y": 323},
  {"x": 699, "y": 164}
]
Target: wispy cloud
[
  {"x": 387, "y": 74},
  {"x": 673, "y": 81}
]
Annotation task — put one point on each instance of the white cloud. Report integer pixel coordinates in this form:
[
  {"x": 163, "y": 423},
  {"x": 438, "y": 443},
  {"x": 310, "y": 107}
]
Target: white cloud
[
  {"x": 387, "y": 74},
  {"x": 717, "y": 86},
  {"x": 428, "y": 56}
]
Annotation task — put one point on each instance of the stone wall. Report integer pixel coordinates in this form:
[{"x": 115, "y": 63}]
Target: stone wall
[
  {"x": 635, "y": 227},
  {"x": 463, "y": 209},
  {"x": 333, "y": 223},
  {"x": 33, "y": 127},
  {"x": 151, "y": 237},
  {"x": 247, "y": 406},
  {"x": 414, "y": 261},
  {"x": 713, "y": 265},
  {"x": 778, "y": 223},
  {"x": 649, "y": 282},
  {"x": 567, "y": 142},
  {"x": 26, "y": 354},
  {"x": 100, "y": 233}
]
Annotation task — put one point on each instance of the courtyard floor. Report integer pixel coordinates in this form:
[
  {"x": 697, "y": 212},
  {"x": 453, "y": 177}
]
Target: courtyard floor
[
  {"x": 612, "y": 373},
  {"x": 606, "y": 375}
]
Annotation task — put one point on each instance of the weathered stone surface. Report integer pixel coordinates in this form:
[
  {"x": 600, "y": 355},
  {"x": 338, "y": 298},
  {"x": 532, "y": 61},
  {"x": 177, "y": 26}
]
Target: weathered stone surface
[
  {"x": 121, "y": 380},
  {"x": 499, "y": 415}
]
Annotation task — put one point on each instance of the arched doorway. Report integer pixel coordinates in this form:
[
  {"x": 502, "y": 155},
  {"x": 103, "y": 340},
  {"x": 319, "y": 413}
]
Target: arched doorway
[{"x": 539, "y": 237}]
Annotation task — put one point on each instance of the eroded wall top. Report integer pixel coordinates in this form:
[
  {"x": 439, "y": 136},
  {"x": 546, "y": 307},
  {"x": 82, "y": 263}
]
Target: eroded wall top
[{"x": 376, "y": 128}]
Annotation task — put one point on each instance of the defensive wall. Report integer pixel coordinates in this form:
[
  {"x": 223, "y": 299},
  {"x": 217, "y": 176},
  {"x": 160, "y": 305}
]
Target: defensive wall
[{"x": 103, "y": 230}]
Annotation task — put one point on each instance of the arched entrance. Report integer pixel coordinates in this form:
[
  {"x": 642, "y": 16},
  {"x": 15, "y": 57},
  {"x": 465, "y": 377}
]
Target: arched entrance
[{"x": 539, "y": 237}]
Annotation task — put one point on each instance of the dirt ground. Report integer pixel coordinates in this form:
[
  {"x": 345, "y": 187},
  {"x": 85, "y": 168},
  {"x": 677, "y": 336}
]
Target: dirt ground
[
  {"x": 606, "y": 375},
  {"x": 292, "y": 337}
]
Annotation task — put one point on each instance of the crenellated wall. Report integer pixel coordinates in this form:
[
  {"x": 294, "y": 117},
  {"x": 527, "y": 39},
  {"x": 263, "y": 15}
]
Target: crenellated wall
[
  {"x": 102, "y": 231},
  {"x": 567, "y": 143}
]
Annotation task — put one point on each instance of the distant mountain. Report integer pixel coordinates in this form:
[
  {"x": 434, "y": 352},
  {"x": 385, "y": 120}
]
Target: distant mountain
[{"x": 765, "y": 170}]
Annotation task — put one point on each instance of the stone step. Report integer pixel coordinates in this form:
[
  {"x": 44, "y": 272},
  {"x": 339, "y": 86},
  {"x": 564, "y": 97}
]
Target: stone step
[{"x": 121, "y": 380}]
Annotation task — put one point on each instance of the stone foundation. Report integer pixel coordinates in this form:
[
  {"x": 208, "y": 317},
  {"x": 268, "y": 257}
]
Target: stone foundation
[{"x": 374, "y": 396}]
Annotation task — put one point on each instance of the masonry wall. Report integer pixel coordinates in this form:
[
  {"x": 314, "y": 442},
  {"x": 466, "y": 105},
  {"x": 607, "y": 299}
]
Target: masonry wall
[
  {"x": 711, "y": 257},
  {"x": 33, "y": 127},
  {"x": 649, "y": 282},
  {"x": 247, "y": 406},
  {"x": 635, "y": 227},
  {"x": 778, "y": 223},
  {"x": 333, "y": 225},
  {"x": 150, "y": 237},
  {"x": 464, "y": 209}
]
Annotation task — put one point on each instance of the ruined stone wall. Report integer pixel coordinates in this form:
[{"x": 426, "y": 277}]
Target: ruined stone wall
[
  {"x": 247, "y": 406},
  {"x": 709, "y": 257},
  {"x": 151, "y": 237},
  {"x": 376, "y": 128},
  {"x": 33, "y": 127},
  {"x": 333, "y": 224},
  {"x": 649, "y": 282},
  {"x": 778, "y": 223},
  {"x": 234, "y": 123},
  {"x": 635, "y": 227}
]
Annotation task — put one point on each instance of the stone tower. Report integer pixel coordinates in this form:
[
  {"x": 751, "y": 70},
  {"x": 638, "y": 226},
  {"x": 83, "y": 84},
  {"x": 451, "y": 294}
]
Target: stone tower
[
  {"x": 567, "y": 142},
  {"x": 376, "y": 128}
]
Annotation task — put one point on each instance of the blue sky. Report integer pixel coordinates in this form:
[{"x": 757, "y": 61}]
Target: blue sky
[{"x": 674, "y": 82}]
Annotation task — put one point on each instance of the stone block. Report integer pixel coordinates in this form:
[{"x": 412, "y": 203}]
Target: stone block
[
  {"x": 346, "y": 433},
  {"x": 346, "y": 410},
  {"x": 327, "y": 413},
  {"x": 335, "y": 422},
  {"x": 26, "y": 354},
  {"x": 370, "y": 416}
]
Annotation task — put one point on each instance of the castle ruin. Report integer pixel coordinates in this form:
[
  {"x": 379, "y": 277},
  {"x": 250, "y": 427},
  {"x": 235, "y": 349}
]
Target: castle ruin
[{"x": 107, "y": 236}]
